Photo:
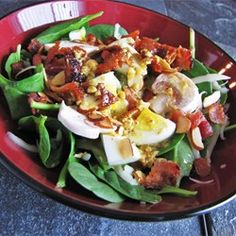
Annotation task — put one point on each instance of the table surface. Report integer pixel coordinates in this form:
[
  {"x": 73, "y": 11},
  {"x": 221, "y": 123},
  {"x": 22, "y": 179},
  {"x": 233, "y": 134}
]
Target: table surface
[{"x": 27, "y": 212}]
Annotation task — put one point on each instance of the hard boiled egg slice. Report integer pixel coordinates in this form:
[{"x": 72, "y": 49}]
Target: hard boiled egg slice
[
  {"x": 109, "y": 80},
  {"x": 151, "y": 128},
  {"x": 78, "y": 124},
  {"x": 181, "y": 92},
  {"x": 120, "y": 150}
]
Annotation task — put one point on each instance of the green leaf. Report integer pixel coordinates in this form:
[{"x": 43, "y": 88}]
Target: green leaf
[
  {"x": 96, "y": 147},
  {"x": 34, "y": 83},
  {"x": 51, "y": 138},
  {"x": 16, "y": 92},
  {"x": 13, "y": 58},
  {"x": 136, "y": 192},
  {"x": 89, "y": 181},
  {"x": 177, "y": 191},
  {"x": 174, "y": 140},
  {"x": 56, "y": 32},
  {"x": 61, "y": 182},
  {"x": 182, "y": 155},
  {"x": 103, "y": 31},
  {"x": 17, "y": 102}
]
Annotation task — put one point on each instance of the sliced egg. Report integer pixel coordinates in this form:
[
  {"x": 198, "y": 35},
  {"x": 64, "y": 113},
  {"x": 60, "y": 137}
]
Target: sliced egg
[
  {"x": 120, "y": 150},
  {"x": 111, "y": 83},
  {"x": 68, "y": 44},
  {"x": 181, "y": 92},
  {"x": 151, "y": 128},
  {"x": 78, "y": 124},
  {"x": 125, "y": 173}
]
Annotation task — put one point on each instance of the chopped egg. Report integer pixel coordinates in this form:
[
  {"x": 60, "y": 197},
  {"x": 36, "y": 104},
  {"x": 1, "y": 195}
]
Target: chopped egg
[
  {"x": 120, "y": 150},
  {"x": 78, "y": 124},
  {"x": 181, "y": 92},
  {"x": 151, "y": 128}
]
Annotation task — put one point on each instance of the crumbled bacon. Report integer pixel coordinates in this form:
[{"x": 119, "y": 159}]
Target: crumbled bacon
[
  {"x": 72, "y": 88},
  {"x": 131, "y": 98},
  {"x": 37, "y": 59},
  {"x": 106, "y": 97},
  {"x": 113, "y": 58},
  {"x": 34, "y": 46},
  {"x": 55, "y": 66},
  {"x": 162, "y": 173},
  {"x": 216, "y": 113}
]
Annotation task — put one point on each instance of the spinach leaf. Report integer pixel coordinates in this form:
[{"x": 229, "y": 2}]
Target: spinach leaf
[
  {"x": 96, "y": 147},
  {"x": 61, "y": 182},
  {"x": 103, "y": 31},
  {"x": 89, "y": 181},
  {"x": 44, "y": 106},
  {"x": 199, "y": 69},
  {"x": 17, "y": 102},
  {"x": 136, "y": 192},
  {"x": 50, "y": 145},
  {"x": 13, "y": 58},
  {"x": 175, "y": 139},
  {"x": 16, "y": 92},
  {"x": 177, "y": 191},
  {"x": 182, "y": 155},
  {"x": 57, "y": 31}
]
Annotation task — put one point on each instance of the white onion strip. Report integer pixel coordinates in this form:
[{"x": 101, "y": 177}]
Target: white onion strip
[
  {"x": 222, "y": 128},
  {"x": 24, "y": 70},
  {"x": 200, "y": 181},
  {"x": 212, "y": 144},
  {"x": 18, "y": 141},
  {"x": 209, "y": 78}
]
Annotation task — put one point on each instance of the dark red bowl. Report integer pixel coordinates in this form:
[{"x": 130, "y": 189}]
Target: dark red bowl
[{"x": 23, "y": 24}]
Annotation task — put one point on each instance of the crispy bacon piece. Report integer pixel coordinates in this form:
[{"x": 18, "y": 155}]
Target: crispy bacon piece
[
  {"x": 36, "y": 60},
  {"x": 196, "y": 118},
  {"x": 162, "y": 173},
  {"x": 106, "y": 97},
  {"x": 179, "y": 58},
  {"x": 55, "y": 66},
  {"x": 135, "y": 35},
  {"x": 113, "y": 58},
  {"x": 72, "y": 88},
  {"x": 216, "y": 113},
  {"x": 205, "y": 129},
  {"x": 34, "y": 46},
  {"x": 131, "y": 98},
  {"x": 104, "y": 123},
  {"x": 202, "y": 167}
]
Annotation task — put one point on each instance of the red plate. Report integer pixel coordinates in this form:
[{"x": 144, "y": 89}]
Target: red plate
[{"x": 21, "y": 25}]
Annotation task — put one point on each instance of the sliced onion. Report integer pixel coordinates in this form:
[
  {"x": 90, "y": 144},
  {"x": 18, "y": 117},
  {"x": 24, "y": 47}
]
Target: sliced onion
[
  {"x": 212, "y": 144},
  {"x": 210, "y": 78},
  {"x": 18, "y": 141},
  {"x": 221, "y": 87},
  {"x": 222, "y": 128},
  {"x": 24, "y": 70},
  {"x": 200, "y": 181}
]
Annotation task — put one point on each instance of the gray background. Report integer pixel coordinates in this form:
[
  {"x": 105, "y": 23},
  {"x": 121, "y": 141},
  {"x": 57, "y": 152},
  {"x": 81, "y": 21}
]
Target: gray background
[{"x": 24, "y": 211}]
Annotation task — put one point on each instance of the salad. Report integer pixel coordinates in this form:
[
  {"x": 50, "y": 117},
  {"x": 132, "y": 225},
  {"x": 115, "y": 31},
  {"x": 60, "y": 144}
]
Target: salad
[{"x": 124, "y": 115}]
